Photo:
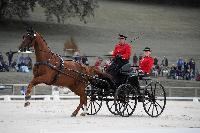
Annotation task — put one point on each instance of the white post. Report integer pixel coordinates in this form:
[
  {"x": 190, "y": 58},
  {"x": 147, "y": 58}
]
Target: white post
[
  {"x": 196, "y": 99},
  {"x": 7, "y": 98}
]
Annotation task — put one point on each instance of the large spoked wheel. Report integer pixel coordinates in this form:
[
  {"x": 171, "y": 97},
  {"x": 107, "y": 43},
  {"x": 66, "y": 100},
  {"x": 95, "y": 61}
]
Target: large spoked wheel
[
  {"x": 111, "y": 106},
  {"x": 154, "y": 99},
  {"x": 125, "y": 100},
  {"x": 93, "y": 105}
]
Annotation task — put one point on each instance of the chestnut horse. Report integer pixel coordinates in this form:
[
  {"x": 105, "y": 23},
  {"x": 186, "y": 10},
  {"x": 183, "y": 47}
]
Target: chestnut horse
[{"x": 52, "y": 70}]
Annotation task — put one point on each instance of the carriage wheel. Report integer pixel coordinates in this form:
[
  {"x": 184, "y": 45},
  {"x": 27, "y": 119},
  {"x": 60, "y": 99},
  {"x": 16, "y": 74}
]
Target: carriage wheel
[
  {"x": 93, "y": 105},
  {"x": 111, "y": 107},
  {"x": 125, "y": 100},
  {"x": 154, "y": 99}
]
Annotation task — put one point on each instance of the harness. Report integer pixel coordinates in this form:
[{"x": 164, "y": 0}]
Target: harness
[{"x": 81, "y": 77}]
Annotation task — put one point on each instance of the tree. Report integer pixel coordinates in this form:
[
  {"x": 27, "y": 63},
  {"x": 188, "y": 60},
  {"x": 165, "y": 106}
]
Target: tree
[
  {"x": 16, "y": 8},
  {"x": 62, "y": 9}
]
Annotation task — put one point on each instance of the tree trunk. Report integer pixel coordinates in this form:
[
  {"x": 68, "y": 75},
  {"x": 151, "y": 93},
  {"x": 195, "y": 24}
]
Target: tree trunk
[
  {"x": 3, "y": 4},
  {"x": 58, "y": 18}
]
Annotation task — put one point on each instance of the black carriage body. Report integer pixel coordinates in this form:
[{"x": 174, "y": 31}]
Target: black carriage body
[{"x": 122, "y": 94}]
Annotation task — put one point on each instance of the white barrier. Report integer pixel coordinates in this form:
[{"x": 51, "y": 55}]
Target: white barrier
[{"x": 8, "y": 98}]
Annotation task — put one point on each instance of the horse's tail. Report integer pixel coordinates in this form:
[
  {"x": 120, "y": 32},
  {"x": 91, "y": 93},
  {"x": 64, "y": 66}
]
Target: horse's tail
[{"x": 92, "y": 70}]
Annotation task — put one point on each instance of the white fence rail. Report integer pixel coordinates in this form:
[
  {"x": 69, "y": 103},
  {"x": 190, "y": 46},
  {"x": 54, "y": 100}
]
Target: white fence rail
[
  {"x": 8, "y": 98},
  {"x": 55, "y": 93}
]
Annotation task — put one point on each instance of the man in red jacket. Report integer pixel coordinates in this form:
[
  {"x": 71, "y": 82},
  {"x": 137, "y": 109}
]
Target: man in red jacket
[
  {"x": 122, "y": 49},
  {"x": 146, "y": 63},
  {"x": 121, "y": 55}
]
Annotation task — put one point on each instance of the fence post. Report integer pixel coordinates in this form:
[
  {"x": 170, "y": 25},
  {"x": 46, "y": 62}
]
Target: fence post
[
  {"x": 195, "y": 92},
  {"x": 7, "y": 98},
  {"x": 170, "y": 92}
]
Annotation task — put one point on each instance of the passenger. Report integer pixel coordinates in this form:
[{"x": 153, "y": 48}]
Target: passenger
[{"x": 146, "y": 63}]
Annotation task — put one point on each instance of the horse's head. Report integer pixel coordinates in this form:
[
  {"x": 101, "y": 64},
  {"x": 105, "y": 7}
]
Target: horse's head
[{"x": 28, "y": 39}]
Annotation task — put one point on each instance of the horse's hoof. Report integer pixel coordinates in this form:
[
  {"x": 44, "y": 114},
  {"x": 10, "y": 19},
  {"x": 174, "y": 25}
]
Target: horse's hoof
[
  {"x": 27, "y": 104},
  {"x": 27, "y": 97},
  {"x": 73, "y": 115},
  {"x": 83, "y": 114}
]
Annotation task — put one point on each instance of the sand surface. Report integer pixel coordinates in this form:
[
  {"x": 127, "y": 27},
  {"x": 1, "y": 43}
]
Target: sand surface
[{"x": 54, "y": 116}]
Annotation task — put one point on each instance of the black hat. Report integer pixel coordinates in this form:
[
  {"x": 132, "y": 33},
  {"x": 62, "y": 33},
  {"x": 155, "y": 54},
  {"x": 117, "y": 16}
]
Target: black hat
[
  {"x": 122, "y": 36},
  {"x": 147, "y": 49}
]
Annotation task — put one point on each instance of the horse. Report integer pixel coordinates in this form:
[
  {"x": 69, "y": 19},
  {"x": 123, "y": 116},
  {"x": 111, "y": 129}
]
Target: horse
[{"x": 51, "y": 69}]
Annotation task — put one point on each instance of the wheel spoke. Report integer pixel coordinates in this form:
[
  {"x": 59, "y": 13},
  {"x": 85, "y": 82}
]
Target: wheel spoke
[
  {"x": 147, "y": 103},
  {"x": 94, "y": 107},
  {"x": 130, "y": 106},
  {"x": 152, "y": 110},
  {"x": 159, "y": 105},
  {"x": 91, "y": 108},
  {"x": 156, "y": 109},
  {"x": 149, "y": 106},
  {"x": 97, "y": 103}
]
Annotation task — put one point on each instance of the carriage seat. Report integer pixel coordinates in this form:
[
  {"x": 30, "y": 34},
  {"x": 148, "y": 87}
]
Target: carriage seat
[
  {"x": 125, "y": 69},
  {"x": 146, "y": 78},
  {"x": 142, "y": 76}
]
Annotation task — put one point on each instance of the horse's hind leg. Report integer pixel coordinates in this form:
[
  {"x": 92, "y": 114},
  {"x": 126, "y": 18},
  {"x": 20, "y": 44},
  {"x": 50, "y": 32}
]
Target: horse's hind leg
[
  {"x": 83, "y": 101},
  {"x": 84, "y": 106}
]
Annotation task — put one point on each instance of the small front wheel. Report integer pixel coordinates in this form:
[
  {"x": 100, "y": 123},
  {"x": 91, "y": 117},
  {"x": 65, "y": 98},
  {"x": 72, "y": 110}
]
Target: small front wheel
[
  {"x": 93, "y": 105},
  {"x": 125, "y": 100}
]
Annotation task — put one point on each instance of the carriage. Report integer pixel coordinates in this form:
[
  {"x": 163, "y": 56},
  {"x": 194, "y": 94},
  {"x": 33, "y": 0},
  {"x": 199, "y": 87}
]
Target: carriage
[{"x": 122, "y": 98}]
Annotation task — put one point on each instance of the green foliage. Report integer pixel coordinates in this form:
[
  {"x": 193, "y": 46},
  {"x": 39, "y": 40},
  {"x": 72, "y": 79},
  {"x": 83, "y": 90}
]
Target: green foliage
[
  {"x": 60, "y": 9},
  {"x": 15, "y": 8}
]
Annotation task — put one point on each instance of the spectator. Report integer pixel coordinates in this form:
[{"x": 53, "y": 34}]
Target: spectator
[
  {"x": 84, "y": 60},
  {"x": 172, "y": 73},
  {"x": 180, "y": 64},
  {"x": 1, "y": 57},
  {"x": 28, "y": 62},
  {"x": 155, "y": 61},
  {"x": 140, "y": 56},
  {"x": 76, "y": 56},
  {"x": 14, "y": 65},
  {"x": 10, "y": 56},
  {"x": 192, "y": 68},
  {"x": 21, "y": 63},
  {"x": 98, "y": 63},
  {"x": 186, "y": 71},
  {"x": 155, "y": 72},
  {"x": 3, "y": 66},
  {"x": 135, "y": 60},
  {"x": 165, "y": 62}
]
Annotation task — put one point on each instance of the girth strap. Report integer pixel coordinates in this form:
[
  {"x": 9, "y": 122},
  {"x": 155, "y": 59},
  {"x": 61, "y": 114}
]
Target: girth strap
[{"x": 58, "y": 70}]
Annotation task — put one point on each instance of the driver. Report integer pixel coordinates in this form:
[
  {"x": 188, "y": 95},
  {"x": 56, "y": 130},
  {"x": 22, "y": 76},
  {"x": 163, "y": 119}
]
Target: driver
[{"x": 121, "y": 54}]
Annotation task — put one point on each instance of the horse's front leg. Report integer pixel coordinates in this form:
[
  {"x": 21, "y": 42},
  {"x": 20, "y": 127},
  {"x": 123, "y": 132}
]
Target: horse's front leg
[{"x": 35, "y": 81}]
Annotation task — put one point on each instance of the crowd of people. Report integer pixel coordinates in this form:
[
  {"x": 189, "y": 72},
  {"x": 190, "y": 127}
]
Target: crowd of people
[
  {"x": 183, "y": 69},
  {"x": 20, "y": 64}
]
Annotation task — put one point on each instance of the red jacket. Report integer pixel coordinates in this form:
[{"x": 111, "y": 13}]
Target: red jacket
[
  {"x": 123, "y": 50},
  {"x": 146, "y": 64}
]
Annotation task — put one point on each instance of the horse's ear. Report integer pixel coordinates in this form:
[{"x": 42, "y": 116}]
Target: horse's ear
[{"x": 30, "y": 31}]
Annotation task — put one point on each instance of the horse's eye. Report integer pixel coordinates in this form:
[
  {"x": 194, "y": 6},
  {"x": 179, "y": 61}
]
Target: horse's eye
[{"x": 23, "y": 36}]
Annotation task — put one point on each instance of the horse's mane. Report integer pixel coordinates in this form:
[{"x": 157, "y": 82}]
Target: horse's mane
[{"x": 42, "y": 38}]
